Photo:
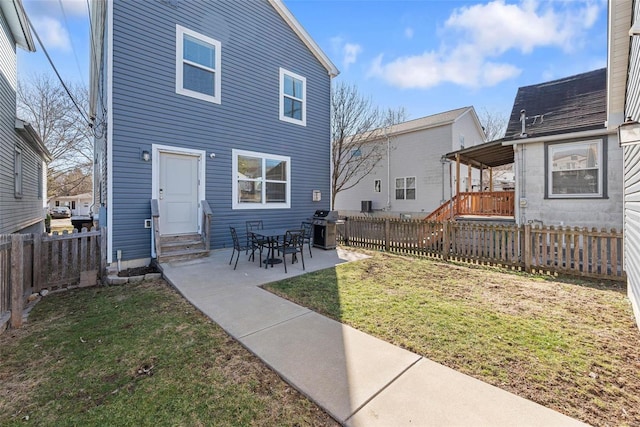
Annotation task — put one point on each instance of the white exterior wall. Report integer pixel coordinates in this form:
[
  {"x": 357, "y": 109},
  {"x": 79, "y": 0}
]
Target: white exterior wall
[
  {"x": 415, "y": 154},
  {"x": 588, "y": 212}
]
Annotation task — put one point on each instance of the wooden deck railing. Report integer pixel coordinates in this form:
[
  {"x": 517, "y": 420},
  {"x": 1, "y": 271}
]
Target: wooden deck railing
[
  {"x": 549, "y": 250},
  {"x": 487, "y": 203}
]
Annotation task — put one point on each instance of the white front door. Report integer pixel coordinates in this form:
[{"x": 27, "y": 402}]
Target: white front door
[{"x": 178, "y": 193}]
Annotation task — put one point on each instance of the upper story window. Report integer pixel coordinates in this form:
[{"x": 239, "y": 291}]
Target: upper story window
[
  {"x": 406, "y": 188},
  {"x": 261, "y": 181},
  {"x": 17, "y": 172},
  {"x": 293, "y": 98},
  {"x": 575, "y": 169},
  {"x": 197, "y": 65}
]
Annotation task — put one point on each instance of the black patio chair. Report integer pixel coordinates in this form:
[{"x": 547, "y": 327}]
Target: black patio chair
[
  {"x": 252, "y": 241},
  {"x": 237, "y": 247},
  {"x": 308, "y": 234},
  {"x": 293, "y": 244}
]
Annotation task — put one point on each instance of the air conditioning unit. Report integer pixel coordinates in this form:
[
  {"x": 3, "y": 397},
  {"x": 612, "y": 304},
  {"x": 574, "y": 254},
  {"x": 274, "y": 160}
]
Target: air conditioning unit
[{"x": 365, "y": 206}]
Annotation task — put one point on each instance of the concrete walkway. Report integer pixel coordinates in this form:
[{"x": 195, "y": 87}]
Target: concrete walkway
[{"x": 358, "y": 379}]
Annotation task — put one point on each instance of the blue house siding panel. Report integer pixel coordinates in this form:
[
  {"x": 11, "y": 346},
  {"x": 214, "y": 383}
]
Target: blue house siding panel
[{"x": 256, "y": 42}]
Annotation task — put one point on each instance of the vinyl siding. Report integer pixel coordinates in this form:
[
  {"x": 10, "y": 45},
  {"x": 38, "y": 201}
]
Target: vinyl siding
[
  {"x": 632, "y": 179},
  {"x": 16, "y": 214},
  {"x": 416, "y": 154},
  {"x": 256, "y": 42}
]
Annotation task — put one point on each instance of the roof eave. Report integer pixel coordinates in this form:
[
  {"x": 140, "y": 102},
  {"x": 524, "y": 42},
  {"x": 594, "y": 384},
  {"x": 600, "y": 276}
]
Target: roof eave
[
  {"x": 31, "y": 137},
  {"x": 305, "y": 37},
  {"x": 561, "y": 136},
  {"x": 18, "y": 24}
]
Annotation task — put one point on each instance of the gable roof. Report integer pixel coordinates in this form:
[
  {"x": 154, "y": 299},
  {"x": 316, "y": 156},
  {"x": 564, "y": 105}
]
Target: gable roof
[
  {"x": 305, "y": 37},
  {"x": 435, "y": 120},
  {"x": 18, "y": 23},
  {"x": 572, "y": 104}
]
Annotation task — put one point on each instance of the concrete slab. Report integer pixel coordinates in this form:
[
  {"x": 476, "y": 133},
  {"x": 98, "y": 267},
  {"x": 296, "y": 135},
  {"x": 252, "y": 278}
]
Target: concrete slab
[
  {"x": 242, "y": 311},
  {"x": 339, "y": 367},
  {"x": 430, "y": 394}
]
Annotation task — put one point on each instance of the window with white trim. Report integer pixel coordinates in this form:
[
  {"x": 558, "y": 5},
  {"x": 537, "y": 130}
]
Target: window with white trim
[
  {"x": 377, "y": 186},
  {"x": 406, "y": 188},
  {"x": 197, "y": 65},
  {"x": 17, "y": 172},
  {"x": 293, "y": 98},
  {"x": 575, "y": 169},
  {"x": 261, "y": 181}
]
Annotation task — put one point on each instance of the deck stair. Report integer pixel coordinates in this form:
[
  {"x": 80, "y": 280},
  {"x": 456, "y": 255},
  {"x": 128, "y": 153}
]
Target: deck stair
[{"x": 182, "y": 247}]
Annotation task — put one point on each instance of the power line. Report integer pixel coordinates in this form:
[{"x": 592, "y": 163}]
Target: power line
[
  {"x": 82, "y": 113},
  {"x": 75, "y": 53}
]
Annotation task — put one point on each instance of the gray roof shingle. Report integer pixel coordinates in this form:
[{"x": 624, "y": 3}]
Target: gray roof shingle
[{"x": 572, "y": 104}]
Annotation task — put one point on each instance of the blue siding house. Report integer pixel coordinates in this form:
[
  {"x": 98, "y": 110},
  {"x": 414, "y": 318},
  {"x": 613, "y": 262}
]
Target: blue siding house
[
  {"x": 196, "y": 104},
  {"x": 23, "y": 156}
]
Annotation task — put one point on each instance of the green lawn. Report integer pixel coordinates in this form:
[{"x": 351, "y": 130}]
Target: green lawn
[
  {"x": 137, "y": 355},
  {"x": 570, "y": 346}
]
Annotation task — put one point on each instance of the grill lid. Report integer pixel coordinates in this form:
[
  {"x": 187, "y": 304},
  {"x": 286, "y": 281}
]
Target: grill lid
[{"x": 326, "y": 215}]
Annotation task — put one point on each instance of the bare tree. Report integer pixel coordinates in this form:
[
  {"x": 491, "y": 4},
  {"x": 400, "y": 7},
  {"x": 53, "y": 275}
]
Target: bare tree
[
  {"x": 357, "y": 128},
  {"x": 43, "y": 102},
  {"x": 494, "y": 124}
]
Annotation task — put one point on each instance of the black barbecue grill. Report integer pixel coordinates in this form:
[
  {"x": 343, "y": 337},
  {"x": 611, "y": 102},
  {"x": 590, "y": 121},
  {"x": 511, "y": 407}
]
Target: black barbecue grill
[{"x": 324, "y": 229}]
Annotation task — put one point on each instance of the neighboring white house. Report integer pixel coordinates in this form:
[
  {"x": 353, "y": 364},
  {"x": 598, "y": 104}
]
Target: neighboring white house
[
  {"x": 79, "y": 204},
  {"x": 413, "y": 178}
]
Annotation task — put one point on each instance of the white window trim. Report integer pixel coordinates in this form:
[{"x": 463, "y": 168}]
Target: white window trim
[
  {"x": 17, "y": 173},
  {"x": 415, "y": 187},
  {"x": 180, "y": 32},
  {"x": 264, "y": 205},
  {"x": 284, "y": 118},
  {"x": 601, "y": 160}
]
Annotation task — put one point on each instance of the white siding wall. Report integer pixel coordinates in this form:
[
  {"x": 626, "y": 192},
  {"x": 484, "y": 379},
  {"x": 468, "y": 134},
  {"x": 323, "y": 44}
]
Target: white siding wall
[{"x": 599, "y": 213}]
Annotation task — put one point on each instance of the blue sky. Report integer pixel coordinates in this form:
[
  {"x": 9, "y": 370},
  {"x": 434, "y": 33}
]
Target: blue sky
[{"x": 427, "y": 56}]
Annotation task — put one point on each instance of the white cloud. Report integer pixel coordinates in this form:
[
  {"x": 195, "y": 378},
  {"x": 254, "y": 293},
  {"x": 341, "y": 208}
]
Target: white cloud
[
  {"x": 482, "y": 33},
  {"x": 348, "y": 51},
  {"x": 408, "y": 33},
  {"x": 75, "y": 7},
  {"x": 52, "y": 33},
  {"x": 351, "y": 52}
]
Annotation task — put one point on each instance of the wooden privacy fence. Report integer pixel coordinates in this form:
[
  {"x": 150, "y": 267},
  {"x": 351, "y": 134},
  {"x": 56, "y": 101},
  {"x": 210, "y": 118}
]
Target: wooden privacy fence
[
  {"x": 563, "y": 250},
  {"x": 30, "y": 263}
]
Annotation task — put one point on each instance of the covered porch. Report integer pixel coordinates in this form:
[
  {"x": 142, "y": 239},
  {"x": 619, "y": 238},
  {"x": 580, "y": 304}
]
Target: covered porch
[{"x": 485, "y": 203}]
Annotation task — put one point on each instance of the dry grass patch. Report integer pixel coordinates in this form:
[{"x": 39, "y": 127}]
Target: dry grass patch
[
  {"x": 571, "y": 346},
  {"x": 137, "y": 355}
]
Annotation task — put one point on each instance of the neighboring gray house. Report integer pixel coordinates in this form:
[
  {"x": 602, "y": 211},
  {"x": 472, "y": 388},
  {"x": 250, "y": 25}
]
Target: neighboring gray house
[
  {"x": 23, "y": 156},
  {"x": 567, "y": 163},
  {"x": 624, "y": 101},
  {"x": 222, "y": 102},
  {"x": 414, "y": 179}
]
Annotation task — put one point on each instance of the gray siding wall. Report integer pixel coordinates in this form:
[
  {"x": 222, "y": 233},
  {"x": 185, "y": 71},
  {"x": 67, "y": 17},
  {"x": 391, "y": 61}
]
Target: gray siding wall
[
  {"x": 587, "y": 212},
  {"x": 146, "y": 110},
  {"x": 16, "y": 214},
  {"x": 632, "y": 179}
]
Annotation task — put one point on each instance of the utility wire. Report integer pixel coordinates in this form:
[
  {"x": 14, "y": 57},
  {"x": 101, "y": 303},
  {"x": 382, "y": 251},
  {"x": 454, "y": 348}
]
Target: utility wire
[
  {"x": 75, "y": 52},
  {"x": 82, "y": 113}
]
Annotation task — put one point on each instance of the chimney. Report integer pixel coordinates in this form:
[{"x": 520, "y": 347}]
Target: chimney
[{"x": 523, "y": 119}]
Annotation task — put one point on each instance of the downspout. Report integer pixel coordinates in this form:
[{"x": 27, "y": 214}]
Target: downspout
[{"x": 388, "y": 170}]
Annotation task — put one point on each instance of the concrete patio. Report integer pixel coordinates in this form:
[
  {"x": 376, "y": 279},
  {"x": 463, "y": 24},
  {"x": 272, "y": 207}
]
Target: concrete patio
[{"x": 358, "y": 379}]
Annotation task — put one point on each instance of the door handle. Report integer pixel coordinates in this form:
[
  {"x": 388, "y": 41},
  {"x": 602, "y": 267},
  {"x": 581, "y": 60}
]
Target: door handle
[{"x": 161, "y": 194}]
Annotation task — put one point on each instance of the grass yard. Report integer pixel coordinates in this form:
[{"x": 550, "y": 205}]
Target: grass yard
[
  {"x": 570, "y": 346},
  {"x": 137, "y": 355}
]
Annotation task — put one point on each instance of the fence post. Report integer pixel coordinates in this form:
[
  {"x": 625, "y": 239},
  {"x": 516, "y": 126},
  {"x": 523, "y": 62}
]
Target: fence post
[
  {"x": 37, "y": 261},
  {"x": 103, "y": 253},
  {"x": 527, "y": 247},
  {"x": 446, "y": 240},
  {"x": 387, "y": 234},
  {"x": 347, "y": 231},
  {"x": 17, "y": 274}
]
